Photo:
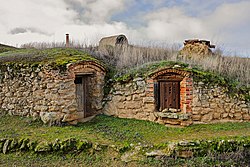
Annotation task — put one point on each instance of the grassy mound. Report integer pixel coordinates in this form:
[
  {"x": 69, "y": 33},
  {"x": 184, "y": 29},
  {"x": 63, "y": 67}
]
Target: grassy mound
[
  {"x": 6, "y": 48},
  {"x": 56, "y": 56}
]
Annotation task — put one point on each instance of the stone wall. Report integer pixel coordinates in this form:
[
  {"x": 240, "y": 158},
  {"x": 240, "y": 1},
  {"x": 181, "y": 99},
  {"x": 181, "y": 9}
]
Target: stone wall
[
  {"x": 213, "y": 104},
  {"x": 199, "y": 103},
  {"x": 43, "y": 92},
  {"x": 135, "y": 99},
  {"x": 131, "y": 100}
]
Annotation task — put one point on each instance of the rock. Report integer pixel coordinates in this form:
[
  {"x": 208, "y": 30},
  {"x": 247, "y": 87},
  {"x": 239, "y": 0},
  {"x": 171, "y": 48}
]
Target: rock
[
  {"x": 185, "y": 153},
  {"x": 73, "y": 117},
  {"x": 133, "y": 105},
  {"x": 130, "y": 156},
  {"x": 154, "y": 153},
  {"x": 207, "y": 117},
  {"x": 5, "y": 146},
  {"x": 246, "y": 117},
  {"x": 87, "y": 119},
  {"x": 68, "y": 144},
  {"x": 238, "y": 116},
  {"x": 51, "y": 118},
  {"x": 186, "y": 123},
  {"x": 43, "y": 147},
  {"x": 73, "y": 122},
  {"x": 196, "y": 117},
  {"x": 41, "y": 108},
  {"x": 83, "y": 144},
  {"x": 217, "y": 115},
  {"x": 148, "y": 100},
  {"x": 23, "y": 143}
]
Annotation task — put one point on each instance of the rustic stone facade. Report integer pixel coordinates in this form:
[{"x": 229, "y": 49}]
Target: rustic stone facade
[
  {"x": 136, "y": 99},
  {"x": 47, "y": 93},
  {"x": 213, "y": 104},
  {"x": 198, "y": 102},
  {"x": 196, "y": 48},
  {"x": 50, "y": 94},
  {"x": 131, "y": 100}
]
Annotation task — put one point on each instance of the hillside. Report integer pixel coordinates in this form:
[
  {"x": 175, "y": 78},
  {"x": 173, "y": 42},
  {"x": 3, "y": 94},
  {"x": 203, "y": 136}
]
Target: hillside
[{"x": 6, "y": 48}]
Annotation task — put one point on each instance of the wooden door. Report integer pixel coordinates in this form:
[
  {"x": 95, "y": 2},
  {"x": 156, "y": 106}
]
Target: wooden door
[
  {"x": 81, "y": 93},
  {"x": 169, "y": 95}
]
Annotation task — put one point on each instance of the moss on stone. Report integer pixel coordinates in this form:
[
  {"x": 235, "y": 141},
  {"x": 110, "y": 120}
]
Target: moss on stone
[
  {"x": 83, "y": 144},
  {"x": 43, "y": 147},
  {"x": 145, "y": 70},
  {"x": 55, "y": 57}
]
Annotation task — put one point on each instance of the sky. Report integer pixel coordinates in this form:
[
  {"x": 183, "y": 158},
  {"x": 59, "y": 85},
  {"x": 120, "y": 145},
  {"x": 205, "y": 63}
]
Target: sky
[{"x": 226, "y": 23}]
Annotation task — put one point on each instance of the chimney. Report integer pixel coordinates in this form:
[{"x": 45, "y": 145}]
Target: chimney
[{"x": 67, "y": 40}]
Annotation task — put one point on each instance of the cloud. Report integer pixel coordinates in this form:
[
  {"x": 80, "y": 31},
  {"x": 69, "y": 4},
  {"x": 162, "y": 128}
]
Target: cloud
[
  {"x": 21, "y": 30},
  {"x": 95, "y": 11},
  {"x": 224, "y": 22},
  {"x": 171, "y": 24}
]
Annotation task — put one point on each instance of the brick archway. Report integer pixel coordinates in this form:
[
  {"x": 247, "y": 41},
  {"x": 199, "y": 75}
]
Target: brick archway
[{"x": 172, "y": 89}]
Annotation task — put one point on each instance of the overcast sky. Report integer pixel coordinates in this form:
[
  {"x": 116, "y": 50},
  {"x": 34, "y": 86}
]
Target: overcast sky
[{"x": 225, "y": 22}]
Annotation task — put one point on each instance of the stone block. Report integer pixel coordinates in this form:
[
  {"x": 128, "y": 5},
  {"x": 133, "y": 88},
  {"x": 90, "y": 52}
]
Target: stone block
[
  {"x": 196, "y": 117},
  {"x": 151, "y": 117},
  {"x": 148, "y": 100},
  {"x": 197, "y": 110},
  {"x": 243, "y": 106},
  {"x": 244, "y": 110},
  {"x": 217, "y": 115},
  {"x": 149, "y": 108},
  {"x": 73, "y": 117},
  {"x": 41, "y": 108},
  {"x": 136, "y": 97},
  {"x": 54, "y": 108},
  {"x": 51, "y": 117},
  {"x": 172, "y": 121},
  {"x": 213, "y": 105},
  {"x": 121, "y": 105},
  {"x": 206, "y": 111},
  {"x": 133, "y": 105},
  {"x": 238, "y": 116},
  {"x": 141, "y": 116},
  {"x": 186, "y": 123},
  {"x": 246, "y": 117},
  {"x": 128, "y": 98},
  {"x": 118, "y": 98},
  {"x": 207, "y": 117},
  {"x": 110, "y": 109},
  {"x": 231, "y": 115}
]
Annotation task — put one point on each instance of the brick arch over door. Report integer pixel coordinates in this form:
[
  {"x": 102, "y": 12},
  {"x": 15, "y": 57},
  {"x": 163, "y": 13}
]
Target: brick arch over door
[
  {"x": 172, "y": 89},
  {"x": 89, "y": 81}
]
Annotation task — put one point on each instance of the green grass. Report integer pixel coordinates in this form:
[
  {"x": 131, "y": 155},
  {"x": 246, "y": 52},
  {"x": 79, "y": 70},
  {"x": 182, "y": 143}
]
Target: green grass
[
  {"x": 109, "y": 130},
  {"x": 6, "y": 48},
  {"x": 102, "y": 159},
  {"x": 120, "y": 132},
  {"x": 56, "y": 56}
]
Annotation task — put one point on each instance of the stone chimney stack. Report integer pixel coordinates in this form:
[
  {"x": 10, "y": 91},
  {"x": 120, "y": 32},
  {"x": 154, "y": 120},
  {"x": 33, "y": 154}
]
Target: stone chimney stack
[{"x": 67, "y": 40}]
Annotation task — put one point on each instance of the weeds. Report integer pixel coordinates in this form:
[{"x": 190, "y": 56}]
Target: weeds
[{"x": 125, "y": 58}]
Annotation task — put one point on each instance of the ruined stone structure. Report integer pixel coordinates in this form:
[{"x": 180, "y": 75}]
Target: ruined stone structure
[
  {"x": 112, "y": 42},
  {"x": 53, "y": 95},
  {"x": 196, "y": 48}
]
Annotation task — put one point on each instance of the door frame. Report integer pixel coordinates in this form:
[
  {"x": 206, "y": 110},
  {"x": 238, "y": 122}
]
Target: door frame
[{"x": 82, "y": 90}]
